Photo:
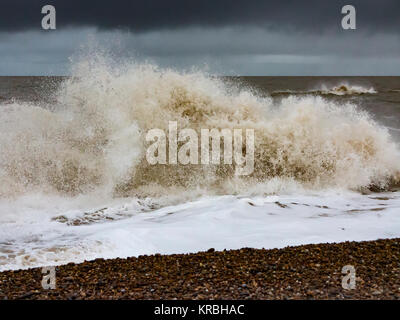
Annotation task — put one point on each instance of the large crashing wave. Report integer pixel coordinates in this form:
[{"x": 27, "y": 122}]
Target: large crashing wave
[{"x": 93, "y": 137}]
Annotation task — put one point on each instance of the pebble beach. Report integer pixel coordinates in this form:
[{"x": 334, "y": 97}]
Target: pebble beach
[{"x": 302, "y": 272}]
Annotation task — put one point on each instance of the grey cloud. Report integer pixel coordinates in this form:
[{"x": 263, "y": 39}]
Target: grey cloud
[{"x": 309, "y": 15}]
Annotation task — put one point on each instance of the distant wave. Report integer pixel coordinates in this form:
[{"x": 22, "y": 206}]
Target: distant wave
[{"x": 340, "y": 90}]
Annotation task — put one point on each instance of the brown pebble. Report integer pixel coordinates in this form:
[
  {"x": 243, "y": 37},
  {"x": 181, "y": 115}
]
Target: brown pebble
[{"x": 302, "y": 272}]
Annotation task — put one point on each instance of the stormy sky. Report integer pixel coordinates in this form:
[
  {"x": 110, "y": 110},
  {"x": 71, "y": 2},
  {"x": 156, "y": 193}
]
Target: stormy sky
[{"x": 230, "y": 37}]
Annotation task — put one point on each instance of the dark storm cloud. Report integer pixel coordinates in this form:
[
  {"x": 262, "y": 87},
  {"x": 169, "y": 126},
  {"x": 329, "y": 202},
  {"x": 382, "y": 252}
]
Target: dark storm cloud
[{"x": 146, "y": 15}]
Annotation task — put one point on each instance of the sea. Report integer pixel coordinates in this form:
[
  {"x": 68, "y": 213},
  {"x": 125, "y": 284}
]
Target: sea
[{"x": 75, "y": 184}]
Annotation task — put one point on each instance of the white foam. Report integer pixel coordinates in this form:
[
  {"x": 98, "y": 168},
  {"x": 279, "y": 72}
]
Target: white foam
[{"x": 224, "y": 222}]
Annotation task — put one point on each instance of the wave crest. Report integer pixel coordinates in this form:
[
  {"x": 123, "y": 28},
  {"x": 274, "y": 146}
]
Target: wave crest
[
  {"x": 93, "y": 138},
  {"x": 342, "y": 89}
]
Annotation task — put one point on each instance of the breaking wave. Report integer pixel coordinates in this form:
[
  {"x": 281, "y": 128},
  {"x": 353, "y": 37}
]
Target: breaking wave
[
  {"x": 346, "y": 89},
  {"x": 339, "y": 90},
  {"x": 92, "y": 139}
]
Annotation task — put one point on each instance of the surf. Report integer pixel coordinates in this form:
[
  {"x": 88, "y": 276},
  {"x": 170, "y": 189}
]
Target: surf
[{"x": 92, "y": 138}]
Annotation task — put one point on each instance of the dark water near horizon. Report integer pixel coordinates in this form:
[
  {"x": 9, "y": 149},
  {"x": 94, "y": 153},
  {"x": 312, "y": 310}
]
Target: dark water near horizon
[{"x": 383, "y": 104}]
